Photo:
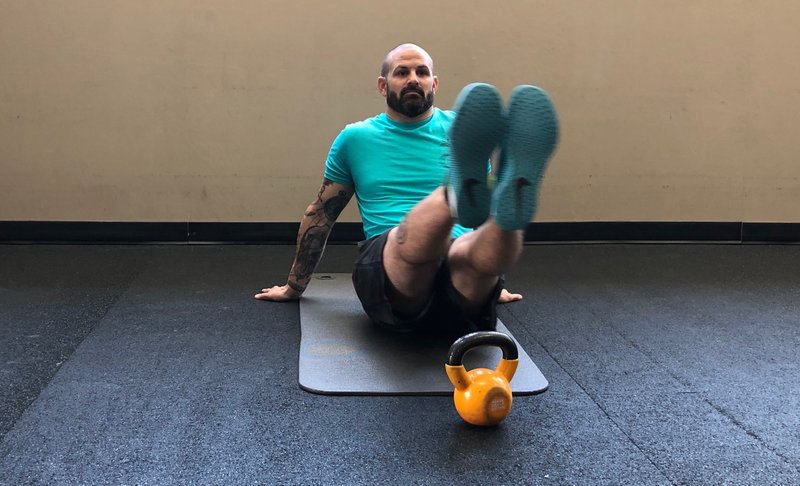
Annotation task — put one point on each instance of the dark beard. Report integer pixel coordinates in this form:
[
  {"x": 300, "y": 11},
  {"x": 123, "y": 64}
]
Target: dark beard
[{"x": 410, "y": 107}]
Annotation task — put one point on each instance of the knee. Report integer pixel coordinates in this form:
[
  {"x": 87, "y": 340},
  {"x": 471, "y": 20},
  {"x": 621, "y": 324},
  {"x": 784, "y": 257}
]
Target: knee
[
  {"x": 402, "y": 245},
  {"x": 486, "y": 256}
]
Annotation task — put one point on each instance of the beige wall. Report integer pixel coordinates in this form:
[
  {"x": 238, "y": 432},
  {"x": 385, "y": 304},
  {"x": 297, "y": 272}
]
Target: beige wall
[{"x": 200, "y": 110}]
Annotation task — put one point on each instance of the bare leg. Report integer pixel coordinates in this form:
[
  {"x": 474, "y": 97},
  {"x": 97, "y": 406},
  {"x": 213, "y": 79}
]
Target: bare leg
[
  {"x": 477, "y": 260},
  {"x": 412, "y": 252}
]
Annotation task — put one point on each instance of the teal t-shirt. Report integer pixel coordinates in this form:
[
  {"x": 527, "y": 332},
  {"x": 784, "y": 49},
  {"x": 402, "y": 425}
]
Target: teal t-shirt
[{"x": 391, "y": 165}]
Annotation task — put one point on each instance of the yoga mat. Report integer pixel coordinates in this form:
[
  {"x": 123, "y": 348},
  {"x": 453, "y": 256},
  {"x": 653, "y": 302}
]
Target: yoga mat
[{"x": 343, "y": 353}]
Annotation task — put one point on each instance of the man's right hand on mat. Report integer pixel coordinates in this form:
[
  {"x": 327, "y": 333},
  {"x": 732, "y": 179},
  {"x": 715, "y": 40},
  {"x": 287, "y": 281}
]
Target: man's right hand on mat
[{"x": 279, "y": 293}]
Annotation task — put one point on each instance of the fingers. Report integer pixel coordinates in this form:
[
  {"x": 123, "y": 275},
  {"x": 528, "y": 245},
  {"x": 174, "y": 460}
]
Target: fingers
[
  {"x": 506, "y": 297},
  {"x": 278, "y": 294},
  {"x": 269, "y": 294}
]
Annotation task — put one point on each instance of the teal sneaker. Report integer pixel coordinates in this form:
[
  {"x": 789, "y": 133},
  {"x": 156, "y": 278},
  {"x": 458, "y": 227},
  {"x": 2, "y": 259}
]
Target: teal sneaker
[
  {"x": 477, "y": 129},
  {"x": 530, "y": 142}
]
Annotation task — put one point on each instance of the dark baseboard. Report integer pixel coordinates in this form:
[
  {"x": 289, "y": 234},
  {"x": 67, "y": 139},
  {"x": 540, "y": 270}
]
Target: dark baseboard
[
  {"x": 81, "y": 232},
  {"x": 771, "y": 232}
]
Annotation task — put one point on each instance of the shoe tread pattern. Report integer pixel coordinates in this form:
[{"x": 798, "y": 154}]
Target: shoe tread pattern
[
  {"x": 530, "y": 142},
  {"x": 477, "y": 129}
]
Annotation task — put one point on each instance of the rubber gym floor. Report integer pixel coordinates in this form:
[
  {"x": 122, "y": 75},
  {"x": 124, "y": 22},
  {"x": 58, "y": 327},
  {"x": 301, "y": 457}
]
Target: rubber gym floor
[{"x": 668, "y": 364}]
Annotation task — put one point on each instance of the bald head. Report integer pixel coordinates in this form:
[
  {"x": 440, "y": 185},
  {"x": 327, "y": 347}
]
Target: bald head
[
  {"x": 388, "y": 60},
  {"x": 408, "y": 83}
]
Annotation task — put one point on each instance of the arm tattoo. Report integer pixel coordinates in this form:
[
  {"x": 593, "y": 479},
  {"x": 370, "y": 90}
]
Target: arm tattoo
[
  {"x": 309, "y": 251},
  {"x": 296, "y": 286},
  {"x": 315, "y": 228},
  {"x": 334, "y": 206}
]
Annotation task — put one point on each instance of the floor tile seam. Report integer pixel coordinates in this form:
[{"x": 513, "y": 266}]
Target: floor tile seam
[
  {"x": 644, "y": 351},
  {"x": 600, "y": 319},
  {"x": 594, "y": 399},
  {"x": 125, "y": 287},
  {"x": 691, "y": 388},
  {"x": 728, "y": 415}
]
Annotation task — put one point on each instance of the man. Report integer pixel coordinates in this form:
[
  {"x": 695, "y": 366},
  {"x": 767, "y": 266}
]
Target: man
[{"x": 416, "y": 171}]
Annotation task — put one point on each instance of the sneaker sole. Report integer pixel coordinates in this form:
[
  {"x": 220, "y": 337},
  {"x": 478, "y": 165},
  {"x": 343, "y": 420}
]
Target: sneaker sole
[
  {"x": 531, "y": 140},
  {"x": 478, "y": 127}
]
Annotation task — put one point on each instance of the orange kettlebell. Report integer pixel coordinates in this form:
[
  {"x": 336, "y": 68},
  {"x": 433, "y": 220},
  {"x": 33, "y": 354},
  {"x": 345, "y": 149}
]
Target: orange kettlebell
[{"x": 482, "y": 396}]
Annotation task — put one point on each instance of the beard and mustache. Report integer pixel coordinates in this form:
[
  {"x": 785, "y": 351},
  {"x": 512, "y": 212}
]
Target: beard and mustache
[{"x": 410, "y": 106}]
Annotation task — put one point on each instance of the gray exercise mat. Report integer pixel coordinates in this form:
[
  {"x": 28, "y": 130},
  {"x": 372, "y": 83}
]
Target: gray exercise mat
[{"x": 343, "y": 353}]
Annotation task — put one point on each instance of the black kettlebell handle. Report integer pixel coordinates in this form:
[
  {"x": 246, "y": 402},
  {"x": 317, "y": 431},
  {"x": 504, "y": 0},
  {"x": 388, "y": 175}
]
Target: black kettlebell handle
[{"x": 463, "y": 344}]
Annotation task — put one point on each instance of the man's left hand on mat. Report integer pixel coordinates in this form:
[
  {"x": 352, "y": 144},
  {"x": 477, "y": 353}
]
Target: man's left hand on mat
[{"x": 506, "y": 297}]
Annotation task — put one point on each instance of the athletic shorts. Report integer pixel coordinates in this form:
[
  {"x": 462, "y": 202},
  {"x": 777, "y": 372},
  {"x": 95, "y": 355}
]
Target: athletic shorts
[{"x": 444, "y": 312}]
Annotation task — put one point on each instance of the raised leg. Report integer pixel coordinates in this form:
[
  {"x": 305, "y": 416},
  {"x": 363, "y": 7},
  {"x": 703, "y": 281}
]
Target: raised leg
[
  {"x": 477, "y": 260},
  {"x": 413, "y": 252},
  {"x": 414, "y": 249}
]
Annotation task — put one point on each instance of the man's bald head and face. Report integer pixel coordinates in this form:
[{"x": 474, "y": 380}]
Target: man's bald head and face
[{"x": 408, "y": 84}]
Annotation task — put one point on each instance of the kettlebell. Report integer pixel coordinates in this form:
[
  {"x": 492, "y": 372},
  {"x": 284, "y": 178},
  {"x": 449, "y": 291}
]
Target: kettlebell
[{"x": 482, "y": 396}]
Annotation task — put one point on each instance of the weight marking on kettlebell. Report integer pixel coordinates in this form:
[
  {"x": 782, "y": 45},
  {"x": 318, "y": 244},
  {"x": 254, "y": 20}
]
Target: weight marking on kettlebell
[{"x": 497, "y": 404}]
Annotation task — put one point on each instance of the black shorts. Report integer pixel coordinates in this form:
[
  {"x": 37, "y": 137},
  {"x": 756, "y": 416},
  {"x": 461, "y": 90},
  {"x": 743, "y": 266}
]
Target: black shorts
[{"x": 444, "y": 311}]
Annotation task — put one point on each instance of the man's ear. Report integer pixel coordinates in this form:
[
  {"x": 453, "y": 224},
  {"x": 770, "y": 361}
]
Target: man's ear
[
  {"x": 435, "y": 83},
  {"x": 382, "y": 86}
]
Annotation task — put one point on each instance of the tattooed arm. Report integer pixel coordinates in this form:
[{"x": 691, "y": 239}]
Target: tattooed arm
[{"x": 314, "y": 230}]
